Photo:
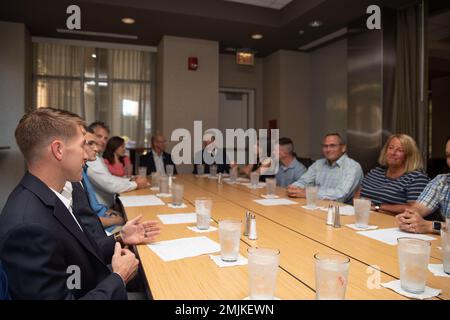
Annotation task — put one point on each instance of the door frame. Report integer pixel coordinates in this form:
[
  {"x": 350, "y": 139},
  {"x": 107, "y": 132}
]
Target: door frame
[{"x": 250, "y": 106}]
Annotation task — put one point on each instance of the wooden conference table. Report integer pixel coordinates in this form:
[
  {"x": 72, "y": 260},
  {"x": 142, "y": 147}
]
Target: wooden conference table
[{"x": 298, "y": 234}]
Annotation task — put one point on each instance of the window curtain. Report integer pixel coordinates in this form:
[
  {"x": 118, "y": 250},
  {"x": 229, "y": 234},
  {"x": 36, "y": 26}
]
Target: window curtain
[
  {"x": 59, "y": 77},
  {"x": 114, "y": 87},
  {"x": 129, "y": 105},
  {"x": 410, "y": 98}
]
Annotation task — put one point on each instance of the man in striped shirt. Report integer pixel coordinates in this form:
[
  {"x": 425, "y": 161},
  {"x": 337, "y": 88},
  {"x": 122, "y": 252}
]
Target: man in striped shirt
[
  {"x": 435, "y": 196},
  {"x": 336, "y": 176}
]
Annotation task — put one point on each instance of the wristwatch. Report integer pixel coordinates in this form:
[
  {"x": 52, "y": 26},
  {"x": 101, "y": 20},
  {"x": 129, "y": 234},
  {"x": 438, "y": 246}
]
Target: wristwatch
[
  {"x": 437, "y": 226},
  {"x": 118, "y": 238}
]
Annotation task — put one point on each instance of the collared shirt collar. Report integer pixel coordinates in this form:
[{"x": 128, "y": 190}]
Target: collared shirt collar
[
  {"x": 338, "y": 161},
  {"x": 290, "y": 166},
  {"x": 155, "y": 154},
  {"x": 65, "y": 196}
]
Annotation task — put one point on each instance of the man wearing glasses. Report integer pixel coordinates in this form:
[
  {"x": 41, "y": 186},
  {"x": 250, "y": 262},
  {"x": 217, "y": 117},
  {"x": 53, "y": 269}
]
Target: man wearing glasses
[{"x": 336, "y": 176}]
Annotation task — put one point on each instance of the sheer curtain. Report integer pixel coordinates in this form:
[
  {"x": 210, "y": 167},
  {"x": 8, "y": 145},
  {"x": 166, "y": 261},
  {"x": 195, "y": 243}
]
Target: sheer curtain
[
  {"x": 111, "y": 85},
  {"x": 130, "y": 94}
]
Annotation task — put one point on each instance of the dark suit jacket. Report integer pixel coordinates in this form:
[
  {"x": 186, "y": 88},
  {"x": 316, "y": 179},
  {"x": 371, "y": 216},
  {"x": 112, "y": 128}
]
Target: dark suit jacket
[
  {"x": 39, "y": 241},
  {"x": 90, "y": 221},
  {"x": 148, "y": 161},
  {"x": 224, "y": 167},
  {"x": 4, "y": 295}
]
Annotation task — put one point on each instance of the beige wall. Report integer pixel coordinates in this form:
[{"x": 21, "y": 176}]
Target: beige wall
[
  {"x": 328, "y": 80},
  {"x": 295, "y": 99},
  {"x": 307, "y": 94},
  {"x": 232, "y": 75},
  {"x": 286, "y": 96},
  {"x": 185, "y": 96},
  {"x": 15, "y": 77}
]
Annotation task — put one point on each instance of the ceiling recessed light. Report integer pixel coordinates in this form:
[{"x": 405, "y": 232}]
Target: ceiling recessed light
[
  {"x": 257, "y": 36},
  {"x": 315, "y": 23},
  {"x": 128, "y": 20},
  {"x": 301, "y": 32},
  {"x": 94, "y": 55}
]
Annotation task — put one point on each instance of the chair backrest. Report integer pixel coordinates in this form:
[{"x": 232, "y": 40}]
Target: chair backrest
[
  {"x": 4, "y": 294},
  {"x": 307, "y": 162}
]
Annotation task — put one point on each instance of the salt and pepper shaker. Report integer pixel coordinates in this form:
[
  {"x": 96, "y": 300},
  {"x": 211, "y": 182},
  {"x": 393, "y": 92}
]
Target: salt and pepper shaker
[
  {"x": 337, "y": 217},
  {"x": 330, "y": 216},
  {"x": 247, "y": 223},
  {"x": 252, "y": 235}
]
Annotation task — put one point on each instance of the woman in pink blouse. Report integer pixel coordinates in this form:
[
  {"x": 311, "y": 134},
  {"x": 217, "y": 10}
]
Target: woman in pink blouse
[{"x": 116, "y": 160}]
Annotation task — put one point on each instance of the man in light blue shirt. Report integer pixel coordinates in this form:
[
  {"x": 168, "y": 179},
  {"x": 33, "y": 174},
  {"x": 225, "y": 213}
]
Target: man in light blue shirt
[
  {"x": 290, "y": 169},
  {"x": 337, "y": 176}
]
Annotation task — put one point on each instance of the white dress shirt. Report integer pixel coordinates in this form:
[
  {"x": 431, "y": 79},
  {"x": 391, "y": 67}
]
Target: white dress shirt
[
  {"x": 159, "y": 162},
  {"x": 66, "y": 198},
  {"x": 105, "y": 184}
]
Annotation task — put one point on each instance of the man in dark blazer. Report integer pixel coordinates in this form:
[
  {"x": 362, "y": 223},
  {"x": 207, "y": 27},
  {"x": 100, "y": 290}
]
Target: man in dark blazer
[
  {"x": 45, "y": 251},
  {"x": 157, "y": 158},
  {"x": 4, "y": 294},
  {"x": 213, "y": 153}
]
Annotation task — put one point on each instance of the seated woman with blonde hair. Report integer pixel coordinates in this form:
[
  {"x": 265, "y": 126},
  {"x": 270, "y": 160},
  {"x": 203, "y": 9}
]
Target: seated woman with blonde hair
[{"x": 398, "y": 181}]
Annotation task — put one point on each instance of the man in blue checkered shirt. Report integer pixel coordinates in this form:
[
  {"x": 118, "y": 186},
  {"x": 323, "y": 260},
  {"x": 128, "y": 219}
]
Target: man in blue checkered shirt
[{"x": 435, "y": 196}]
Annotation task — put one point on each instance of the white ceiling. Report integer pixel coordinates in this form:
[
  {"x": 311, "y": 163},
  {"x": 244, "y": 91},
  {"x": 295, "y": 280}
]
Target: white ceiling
[{"x": 274, "y": 4}]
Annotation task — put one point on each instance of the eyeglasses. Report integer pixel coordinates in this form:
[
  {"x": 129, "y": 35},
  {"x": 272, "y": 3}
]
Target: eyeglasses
[
  {"x": 91, "y": 143},
  {"x": 331, "y": 146}
]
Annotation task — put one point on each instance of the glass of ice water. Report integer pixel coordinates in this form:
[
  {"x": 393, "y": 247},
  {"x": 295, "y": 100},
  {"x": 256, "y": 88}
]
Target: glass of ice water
[
  {"x": 413, "y": 257},
  {"x": 230, "y": 235},
  {"x": 213, "y": 170},
  {"x": 203, "y": 207},
  {"x": 254, "y": 179},
  {"x": 445, "y": 244},
  {"x": 177, "y": 194},
  {"x": 262, "y": 272},
  {"x": 311, "y": 196},
  {"x": 362, "y": 212},
  {"x": 331, "y": 272}
]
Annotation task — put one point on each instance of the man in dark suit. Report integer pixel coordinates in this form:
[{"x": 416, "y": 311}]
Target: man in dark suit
[
  {"x": 210, "y": 155},
  {"x": 4, "y": 295},
  {"x": 157, "y": 158},
  {"x": 45, "y": 251}
]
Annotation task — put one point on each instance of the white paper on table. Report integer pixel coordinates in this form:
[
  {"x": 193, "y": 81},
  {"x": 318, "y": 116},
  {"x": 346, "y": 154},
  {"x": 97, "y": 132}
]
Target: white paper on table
[
  {"x": 249, "y": 185},
  {"x": 139, "y": 201},
  {"x": 171, "y": 205},
  {"x": 343, "y": 211},
  {"x": 354, "y": 227},
  {"x": 438, "y": 270},
  {"x": 312, "y": 208},
  {"x": 248, "y": 298},
  {"x": 178, "y": 218},
  {"x": 195, "y": 229},
  {"x": 241, "y": 261},
  {"x": 184, "y": 248},
  {"x": 395, "y": 285},
  {"x": 391, "y": 235},
  {"x": 267, "y": 196},
  {"x": 274, "y": 202},
  {"x": 163, "y": 195}
]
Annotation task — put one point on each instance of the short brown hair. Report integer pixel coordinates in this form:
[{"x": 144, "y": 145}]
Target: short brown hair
[
  {"x": 40, "y": 126},
  {"x": 413, "y": 158}
]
